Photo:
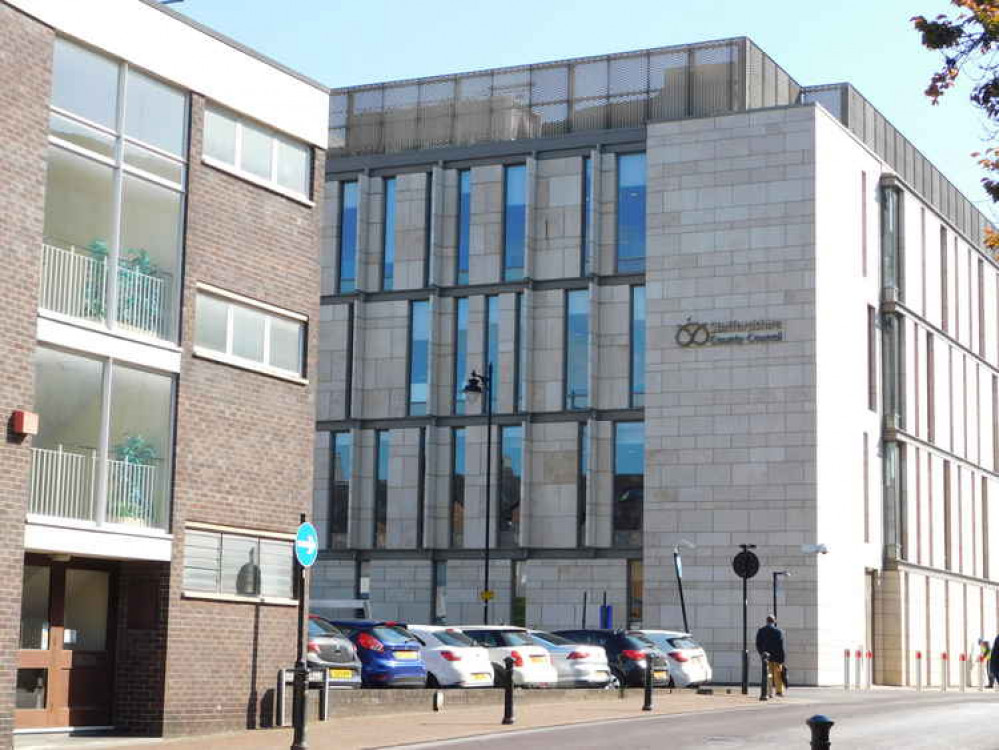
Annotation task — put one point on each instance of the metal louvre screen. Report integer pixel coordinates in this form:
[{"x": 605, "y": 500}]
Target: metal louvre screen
[{"x": 551, "y": 99}]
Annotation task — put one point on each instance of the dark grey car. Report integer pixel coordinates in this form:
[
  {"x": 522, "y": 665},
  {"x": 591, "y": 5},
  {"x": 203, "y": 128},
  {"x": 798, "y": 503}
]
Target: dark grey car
[{"x": 330, "y": 649}]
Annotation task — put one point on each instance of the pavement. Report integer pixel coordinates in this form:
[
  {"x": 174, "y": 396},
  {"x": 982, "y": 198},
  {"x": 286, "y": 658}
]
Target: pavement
[{"x": 880, "y": 719}]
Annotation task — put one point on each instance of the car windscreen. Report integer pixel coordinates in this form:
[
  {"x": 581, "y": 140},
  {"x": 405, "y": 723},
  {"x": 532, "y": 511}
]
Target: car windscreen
[
  {"x": 515, "y": 638},
  {"x": 636, "y": 641},
  {"x": 392, "y": 635},
  {"x": 452, "y": 638},
  {"x": 551, "y": 639},
  {"x": 321, "y": 628},
  {"x": 683, "y": 643}
]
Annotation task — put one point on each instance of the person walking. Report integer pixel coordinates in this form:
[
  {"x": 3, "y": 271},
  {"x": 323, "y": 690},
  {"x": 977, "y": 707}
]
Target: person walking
[
  {"x": 984, "y": 655},
  {"x": 770, "y": 641},
  {"x": 994, "y": 663}
]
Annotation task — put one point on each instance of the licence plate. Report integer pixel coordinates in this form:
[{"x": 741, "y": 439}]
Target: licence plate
[
  {"x": 341, "y": 674},
  {"x": 659, "y": 675},
  {"x": 539, "y": 659},
  {"x": 480, "y": 676},
  {"x": 405, "y": 654}
]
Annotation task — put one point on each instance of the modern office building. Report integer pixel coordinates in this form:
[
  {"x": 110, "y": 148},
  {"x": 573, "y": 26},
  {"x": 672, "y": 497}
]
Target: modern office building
[
  {"x": 718, "y": 307},
  {"x": 159, "y": 266}
]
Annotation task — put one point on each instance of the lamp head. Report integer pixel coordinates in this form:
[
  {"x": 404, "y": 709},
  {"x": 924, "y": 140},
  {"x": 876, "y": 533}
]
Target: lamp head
[{"x": 474, "y": 384}]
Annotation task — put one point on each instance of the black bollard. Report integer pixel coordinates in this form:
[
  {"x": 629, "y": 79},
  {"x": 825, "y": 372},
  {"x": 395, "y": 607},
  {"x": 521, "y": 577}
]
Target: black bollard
[
  {"x": 820, "y": 726},
  {"x": 508, "y": 692},
  {"x": 764, "y": 677},
  {"x": 647, "y": 706}
]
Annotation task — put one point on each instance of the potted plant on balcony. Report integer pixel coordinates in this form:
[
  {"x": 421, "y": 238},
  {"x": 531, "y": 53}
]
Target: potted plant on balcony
[
  {"x": 133, "y": 490},
  {"x": 139, "y": 295},
  {"x": 95, "y": 279}
]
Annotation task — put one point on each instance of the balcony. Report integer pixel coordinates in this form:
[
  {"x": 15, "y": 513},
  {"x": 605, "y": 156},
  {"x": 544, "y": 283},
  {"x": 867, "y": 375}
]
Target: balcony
[
  {"x": 74, "y": 283},
  {"x": 67, "y": 483}
]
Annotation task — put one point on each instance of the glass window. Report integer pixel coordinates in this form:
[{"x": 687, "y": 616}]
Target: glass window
[
  {"x": 81, "y": 135},
  {"x": 78, "y": 207},
  {"x": 35, "y": 607},
  {"x": 86, "y": 617},
  {"x": 220, "y": 136},
  {"x": 630, "y": 213},
  {"x": 510, "y": 473},
  {"x": 460, "y": 354},
  {"x": 154, "y": 163},
  {"x": 637, "y": 346},
  {"x": 155, "y": 113},
  {"x": 256, "y": 153},
  {"x": 32, "y": 687},
  {"x": 85, "y": 83},
  {"x": 514, "y": 221},
  {"x": 452, "y": 638},
  {"x": 636, "y": 589},
  {"x": 276, "y": 569},
  {"x": 342, "y": 445},
  {"x": 891, "y": 265},
  {"x": 492, "y": 345},
  {"x": 464, "y": 223},
  {"x": 286, "y": 344},
  {"x": 202, "y": 552},
  {"x": 419, "y": 352},
  {"x": 388, "y": 236},
  {"x": 238, "y": 565},
  {"x": 582, "y": 478},
  {"x": 520, "y": 354},
  {"x": 348, "y": 237},
  {"x": 457, "y": 504},
  {"x": 577, "y": 349},
  {"x": 585, "y": 231},
  {"x": 241, "y": 565},
  {"x": 248, "y": 333},
  {"x": 382, "y": 451},
  {"x": 212, "y": 323},
  {"x": 293, "y": 166},
  {"x": 629, "y": 482}
]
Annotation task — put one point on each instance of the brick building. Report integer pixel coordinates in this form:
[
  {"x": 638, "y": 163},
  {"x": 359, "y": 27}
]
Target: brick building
[
  {"x": 147, "y": 521},
  {"x": 719, "y": 307}
]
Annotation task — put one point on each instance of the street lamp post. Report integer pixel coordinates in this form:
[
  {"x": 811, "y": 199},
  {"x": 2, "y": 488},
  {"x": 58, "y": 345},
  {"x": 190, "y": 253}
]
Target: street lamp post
[
  {"x": 483, "y": 385},
  {"x": 678, "y": 569},
  {"x": 775, "y": 574}
]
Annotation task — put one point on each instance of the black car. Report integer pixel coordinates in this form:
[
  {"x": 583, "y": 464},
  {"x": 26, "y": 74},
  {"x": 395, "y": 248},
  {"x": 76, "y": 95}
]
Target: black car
[{"x": 627, "y": 652}]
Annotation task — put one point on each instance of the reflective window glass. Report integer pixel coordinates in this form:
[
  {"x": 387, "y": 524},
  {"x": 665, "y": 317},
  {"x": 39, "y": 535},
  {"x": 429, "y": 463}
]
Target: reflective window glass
[
  {"x": 388, "y": 235},
  {"x": 212, "y": 323},
  {"x": 419, "y": 353},
  {"x": 286, "y": 344},
  {"x": 85, "y": 83},
  {"x": 492, "y": 344},
  {"x": 155, "y": 113},
  {"x": 78, "y": 204},
  {"x": 382, "y": 450},
  {"x": 240, "y": 565},
  {"x": 511, "y": 471},
  {"x": 461, "y": 371},
  {"x": 629, "y": 482},
  {"x": 637, "y": 346},
  {"x": 256, "y": 153},
  {"x": 293, "y": 166},
  {"x": 340, "y": 489},
  {"x": 464, "y": 224},
  {"x": 81, "y": 135},
  {"x": 514, "y": 221},
  {"x": 630, "y": 213},
  {"x": 248, "y": 333},
  {"x": 86, "y": 613},
  {"x": 348, "y": 236},
  {"x": 220, "y": 135},
  {"x": 35, "y": 607},
  {"x": 457, "y": 512},
  {"x": 150, "y": 161},
  {"x": 577, "y": 349}
]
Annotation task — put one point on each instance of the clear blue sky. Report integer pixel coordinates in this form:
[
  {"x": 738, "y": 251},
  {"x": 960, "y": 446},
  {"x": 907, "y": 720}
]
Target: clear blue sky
[{"x": 869, "y": 43}]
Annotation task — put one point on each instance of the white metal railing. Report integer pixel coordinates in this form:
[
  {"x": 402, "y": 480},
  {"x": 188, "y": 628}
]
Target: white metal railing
[
  {"x": 73, "y": 282},
  {"x": 62, "y": 483},
  {"x": 132, "y": 494},
  {"x": 65, "y": 484}
]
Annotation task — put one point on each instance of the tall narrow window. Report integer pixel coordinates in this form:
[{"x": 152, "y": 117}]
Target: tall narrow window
[
  {"x": 382, "y": 451},
  {"x": 630, "y": 213},
  {"x": 419, "y": 351},
  {"x": 520, "y": 389},
  {"x": 891, "y": 245},
  {"x": 892, "y": 358},
  {"x": 388, "y": 234},
  {"x": 931, "y": 387},
  {"x": 872, "y": 359},
  {"x": 995, "y": 423},
  {"x": 985, "y": 528},
  {"x": 981, "y": 308},
  {"x": 944, "y": 282},
  {"x": 585, "y": 231},
  {"x": 518, "y": 593},
  {"x": 514, "y": 221},
  {"x": 948, "y": 517},
  {"x": 577, "y": 349},
  {"x": 348, "y": 237},
  {"x": 629, "y": 483},
  {"x": 456, "y": 513},
  {"x": 867, "y": 491},
  {"x": 464, "y": 224},
  {"x": 421, "y": 488},
  {"x": 461, "y": 371},
  {"x": 440, "y": 592},
  {"x": 428, "y": 228},
  {"x": 510, "y": 473},
  {"x": 582, "y": 473},
  {"x": 637, "y": 391},
  {"x": 890, "y": 472},
  {"x": 863, "y": 223},
  {"x": 636, "y": 587},
  {"x": 341, "y": 450},
  {"x": 492, "y": 345}
]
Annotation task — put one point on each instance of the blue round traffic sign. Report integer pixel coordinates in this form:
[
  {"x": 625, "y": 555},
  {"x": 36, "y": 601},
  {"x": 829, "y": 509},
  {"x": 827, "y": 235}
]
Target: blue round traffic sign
[{"x": 306, "y": 545}]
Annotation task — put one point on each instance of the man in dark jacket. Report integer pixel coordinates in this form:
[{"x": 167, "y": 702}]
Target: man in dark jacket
[
  {"x": 994, "y": 663},
  {"x": 770, "y": 641}
]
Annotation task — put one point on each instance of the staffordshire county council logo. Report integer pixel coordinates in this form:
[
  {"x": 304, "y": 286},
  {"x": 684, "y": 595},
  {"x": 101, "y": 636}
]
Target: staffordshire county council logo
[
  {"x": 692, "y": 334},
  {"x": 696, "y": 333}
]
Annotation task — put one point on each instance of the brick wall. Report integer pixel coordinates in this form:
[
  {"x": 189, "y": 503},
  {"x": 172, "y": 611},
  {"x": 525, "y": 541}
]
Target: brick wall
[
  {"x": 244, "y": 443},
  {"x": 25, "y": 71}
]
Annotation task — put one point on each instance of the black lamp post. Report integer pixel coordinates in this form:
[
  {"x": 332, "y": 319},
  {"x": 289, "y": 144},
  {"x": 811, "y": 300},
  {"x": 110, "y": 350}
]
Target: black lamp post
[
  {"x": 483, "y": 385},
  {"x": 775, "y": 574}
]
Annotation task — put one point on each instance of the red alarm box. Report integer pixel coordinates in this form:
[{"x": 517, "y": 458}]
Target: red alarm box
[{"x": 25, "y": 422}]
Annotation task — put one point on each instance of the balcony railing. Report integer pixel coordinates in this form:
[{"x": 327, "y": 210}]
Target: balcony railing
[
  {"x": 65, "y": 483},
  {"x": 74, "y": 283}
]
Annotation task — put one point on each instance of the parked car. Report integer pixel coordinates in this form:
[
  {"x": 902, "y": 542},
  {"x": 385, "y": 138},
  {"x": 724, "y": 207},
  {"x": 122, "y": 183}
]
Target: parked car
[
  {"x": 330, "y": 649},
  {"x": 452, "y": 658},
  {"x": 390, "y": 655},
  {"x": 688, "y": 662},
  {"x": 578, "y": 665},
  {"x": 627, "y": 652},
  {"x": 532, "y": 664}
]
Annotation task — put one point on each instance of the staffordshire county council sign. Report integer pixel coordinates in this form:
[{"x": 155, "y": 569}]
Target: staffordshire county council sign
[{"x": 695, "y": 333}]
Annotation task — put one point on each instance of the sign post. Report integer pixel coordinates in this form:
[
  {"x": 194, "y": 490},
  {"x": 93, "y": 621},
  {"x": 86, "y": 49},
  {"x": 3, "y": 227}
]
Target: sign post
[
  {"x": 746, "y": 565},
  {"x": 678, "y": 568},
  {"x": 306, "y": 552}
]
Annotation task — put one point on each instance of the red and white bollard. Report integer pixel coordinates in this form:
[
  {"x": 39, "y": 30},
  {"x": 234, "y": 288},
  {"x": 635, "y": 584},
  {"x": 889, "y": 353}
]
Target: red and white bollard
[
  {"x": 846, "y": 669},
  {"x": 963, "y": 659},
  {"x": 858, "y": 667},
  {"x": 869, "y": 671},
  {"x": 943, "y": 672},
  {"x": 919, "y": 671}
]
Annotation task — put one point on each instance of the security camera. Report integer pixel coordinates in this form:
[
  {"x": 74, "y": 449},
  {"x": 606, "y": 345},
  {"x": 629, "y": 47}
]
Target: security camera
[{"x": 815, "y": 549}]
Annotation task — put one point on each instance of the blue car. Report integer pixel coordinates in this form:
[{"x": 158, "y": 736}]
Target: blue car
[{"x": 390, "y": 654}]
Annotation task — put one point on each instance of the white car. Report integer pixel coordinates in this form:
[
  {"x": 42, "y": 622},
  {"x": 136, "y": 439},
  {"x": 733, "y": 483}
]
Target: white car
[
  {"x": 532, "y": 664},
  {"x": 452, "y": 658},
  {"x": 688, "y": 662},
  {"x": 578, "y": 664}
]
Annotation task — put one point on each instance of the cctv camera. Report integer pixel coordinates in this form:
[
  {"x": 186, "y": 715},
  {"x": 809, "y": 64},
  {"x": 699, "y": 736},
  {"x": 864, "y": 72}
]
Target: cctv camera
[{"x": 815, "y": 549}]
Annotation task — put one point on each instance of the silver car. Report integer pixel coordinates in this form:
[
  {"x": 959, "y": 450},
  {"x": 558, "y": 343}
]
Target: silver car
[{"x": 578, "y": 664}]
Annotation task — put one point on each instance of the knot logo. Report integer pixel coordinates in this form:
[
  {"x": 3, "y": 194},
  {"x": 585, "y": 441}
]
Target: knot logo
[{"x": 692, "y": 334}]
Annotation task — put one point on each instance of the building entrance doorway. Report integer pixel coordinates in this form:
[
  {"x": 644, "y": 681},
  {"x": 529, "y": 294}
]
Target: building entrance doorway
[{"x": 64, "y": 664}]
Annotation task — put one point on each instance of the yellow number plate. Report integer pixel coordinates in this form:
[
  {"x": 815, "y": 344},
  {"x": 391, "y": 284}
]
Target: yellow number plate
[
  {"x": 660, "y": 675},
  {"x": 341, "y": 674},
  {"x": 480, "y": 676},
  {"x": 539, "y": 658},
  {"x": 405, "y": 654}
]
